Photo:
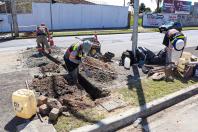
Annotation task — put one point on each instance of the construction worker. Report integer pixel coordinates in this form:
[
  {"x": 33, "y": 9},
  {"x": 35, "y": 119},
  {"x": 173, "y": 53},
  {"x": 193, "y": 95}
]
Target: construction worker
[
  {"x": 42, "y": 34},
  {"x": 73, "y": 57},
  {"x": 176, "y": 40},
  {"x": 173, "y": 39}
]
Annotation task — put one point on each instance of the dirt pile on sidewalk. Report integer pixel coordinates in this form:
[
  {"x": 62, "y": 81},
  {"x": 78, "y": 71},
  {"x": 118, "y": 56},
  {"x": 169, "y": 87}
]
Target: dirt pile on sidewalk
[
  {"x": 57, "y": 87},
  {"x": 32, "y": 58},
  {"x": 51, "y": 67},
  {"x": 98, "y": 70}
]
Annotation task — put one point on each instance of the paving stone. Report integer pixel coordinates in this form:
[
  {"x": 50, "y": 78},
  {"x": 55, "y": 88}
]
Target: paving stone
[
  {"x": 41, "y": 100},
  {"x": 43, "y": 109},
  {"x": 66, "y": 114},
  {"x": 36, "y": 126},
  {"x": 113, "y": 104},
  {"x": 53, "y": 115},
  {"x": 54, "y": 103}
]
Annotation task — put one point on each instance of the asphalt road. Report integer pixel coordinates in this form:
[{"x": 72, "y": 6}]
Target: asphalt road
[
  {"x": 181, "y": 117},
  {"x": 116, "y": 43}
]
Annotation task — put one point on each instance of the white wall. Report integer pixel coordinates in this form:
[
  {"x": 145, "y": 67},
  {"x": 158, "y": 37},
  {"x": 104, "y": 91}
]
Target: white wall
[
  {"x": 70, "y": 16},
  {"x": 4, "y": 25},
  {"x": 156, "y": 20}
]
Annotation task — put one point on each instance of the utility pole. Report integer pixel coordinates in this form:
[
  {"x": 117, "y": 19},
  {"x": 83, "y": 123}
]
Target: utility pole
[
  {"x": 51, "y": 19},
  {"x": 135, "y": 27},
  {"x": 14, "y": 18},
  {"x": 124, "y": 3}
]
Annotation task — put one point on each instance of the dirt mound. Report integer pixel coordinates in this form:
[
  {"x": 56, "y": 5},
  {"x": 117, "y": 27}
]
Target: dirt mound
[
  {"x": 54, "y": 86},
  {"x": 96, "y": 63},
  {"x": 57, "y": 87},
  {"x": 51, "y": 67},
  {"x": 98, "y": 70}
]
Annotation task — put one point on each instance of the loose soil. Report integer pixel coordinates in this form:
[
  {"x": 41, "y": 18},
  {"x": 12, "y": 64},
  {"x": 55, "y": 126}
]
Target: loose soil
[
  {"x": 51, "y": 67},
  {"x": 33, "y": 59},
  {"x": 99, "y": 71},
  {"x": 57, "y": 87}
]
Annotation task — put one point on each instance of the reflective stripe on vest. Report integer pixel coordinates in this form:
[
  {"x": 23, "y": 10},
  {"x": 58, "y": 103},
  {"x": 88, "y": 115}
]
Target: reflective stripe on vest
[
  {"x": 75, "y": 47},
  {"x": 180, "y": 36}
]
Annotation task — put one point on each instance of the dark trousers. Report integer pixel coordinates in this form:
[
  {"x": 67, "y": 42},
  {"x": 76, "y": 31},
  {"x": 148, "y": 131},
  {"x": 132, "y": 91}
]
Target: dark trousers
[{"x": 72, "y": 70}]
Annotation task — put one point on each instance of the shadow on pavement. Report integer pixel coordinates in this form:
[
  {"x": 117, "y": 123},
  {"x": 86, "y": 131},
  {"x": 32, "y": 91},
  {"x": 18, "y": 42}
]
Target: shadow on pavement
[
  {"x": 140, "y": 92},
  {"x": 11, "y": 126},
  {"x": 5, "y": 39}
]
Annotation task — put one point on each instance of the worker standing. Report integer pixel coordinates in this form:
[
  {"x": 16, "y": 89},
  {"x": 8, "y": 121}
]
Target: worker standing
[
  {"x": 42, "y": 34},
  {"x": 173, "y": 40},
  {"x": 73, "y": 57}
]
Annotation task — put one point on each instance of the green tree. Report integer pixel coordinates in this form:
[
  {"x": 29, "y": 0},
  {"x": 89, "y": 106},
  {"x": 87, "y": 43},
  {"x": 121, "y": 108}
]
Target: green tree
[
  {"x": 147, "y": 9},
  {"x": 158, "y": 10},
  {"x": 142, "y": 8}
]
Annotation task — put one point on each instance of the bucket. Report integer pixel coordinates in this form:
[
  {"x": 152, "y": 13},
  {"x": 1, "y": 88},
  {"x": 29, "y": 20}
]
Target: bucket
[
  {"x": 24, "y": 103},
  {"x": 127, "y": 62}
]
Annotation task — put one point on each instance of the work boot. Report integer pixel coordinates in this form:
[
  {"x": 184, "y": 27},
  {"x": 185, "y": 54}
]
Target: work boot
[
  {"x": 49, "y": 51},
  {"x": 196, "y": 48},
  {"x": 169, "y": 79}
]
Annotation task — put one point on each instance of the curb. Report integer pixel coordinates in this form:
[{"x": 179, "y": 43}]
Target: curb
[
  {"x": 73, "y": 35},
  {"x": 128, "y": 117}
]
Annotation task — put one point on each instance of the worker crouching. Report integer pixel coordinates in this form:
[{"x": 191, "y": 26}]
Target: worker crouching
[
  {"x": 73, "y": 57},
  {"x": 42, "y": 34}
]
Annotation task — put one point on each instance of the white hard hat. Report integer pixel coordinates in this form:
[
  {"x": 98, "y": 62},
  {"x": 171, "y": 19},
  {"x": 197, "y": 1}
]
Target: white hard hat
[
  {"x": 86, "y": 47},
  {"x": 179, "y": 45}
]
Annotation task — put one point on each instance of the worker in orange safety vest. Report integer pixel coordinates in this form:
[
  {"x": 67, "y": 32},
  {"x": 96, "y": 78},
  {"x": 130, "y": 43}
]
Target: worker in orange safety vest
[{"x": 42, "y": 34}]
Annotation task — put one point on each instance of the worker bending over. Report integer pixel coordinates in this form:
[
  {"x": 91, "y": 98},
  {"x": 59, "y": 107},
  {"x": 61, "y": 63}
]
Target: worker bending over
[
  {"x": 73, "y": 57},
  {"x": 42, "y": 34},
  {"x": 173, "y": 39}
]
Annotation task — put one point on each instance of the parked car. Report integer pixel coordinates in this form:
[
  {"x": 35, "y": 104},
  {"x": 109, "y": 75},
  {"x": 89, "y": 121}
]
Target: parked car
[{"x": 169, "y": 25}]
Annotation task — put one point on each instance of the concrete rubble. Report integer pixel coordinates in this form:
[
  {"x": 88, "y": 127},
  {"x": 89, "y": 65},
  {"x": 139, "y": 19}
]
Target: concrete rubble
[
  {"x": 43, "y": 109},
  {"x": 42, "y": 100},
  {"x": 53, "y": 115}
]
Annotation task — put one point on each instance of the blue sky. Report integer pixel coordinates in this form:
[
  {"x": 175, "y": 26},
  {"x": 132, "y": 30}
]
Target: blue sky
[{"x": 148, "y": 3}]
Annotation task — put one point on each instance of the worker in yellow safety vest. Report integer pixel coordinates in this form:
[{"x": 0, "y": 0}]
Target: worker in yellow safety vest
[
  {"x": 73, "y": 57},
  {"x": 173, "y": 39}
]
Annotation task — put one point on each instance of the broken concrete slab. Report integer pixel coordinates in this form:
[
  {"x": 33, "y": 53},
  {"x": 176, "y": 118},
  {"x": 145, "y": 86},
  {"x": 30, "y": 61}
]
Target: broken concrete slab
[
  {"x": 66, "y": 114},
  {"x": 41, "y": 100},
  {"x": 43, "y": 109},
  {"x": 113, "y": 104},
  {"x": 53, "y": 115},
  {"x": 54, "y": 103},
  {"x": 36, "y": 126}
]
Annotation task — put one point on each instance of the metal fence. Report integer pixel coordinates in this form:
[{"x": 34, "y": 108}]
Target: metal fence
[{"x": 70, "y": 16}]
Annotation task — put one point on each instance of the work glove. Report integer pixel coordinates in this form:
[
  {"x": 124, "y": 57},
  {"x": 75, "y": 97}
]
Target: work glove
[{"x": 88, "y": 73}]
